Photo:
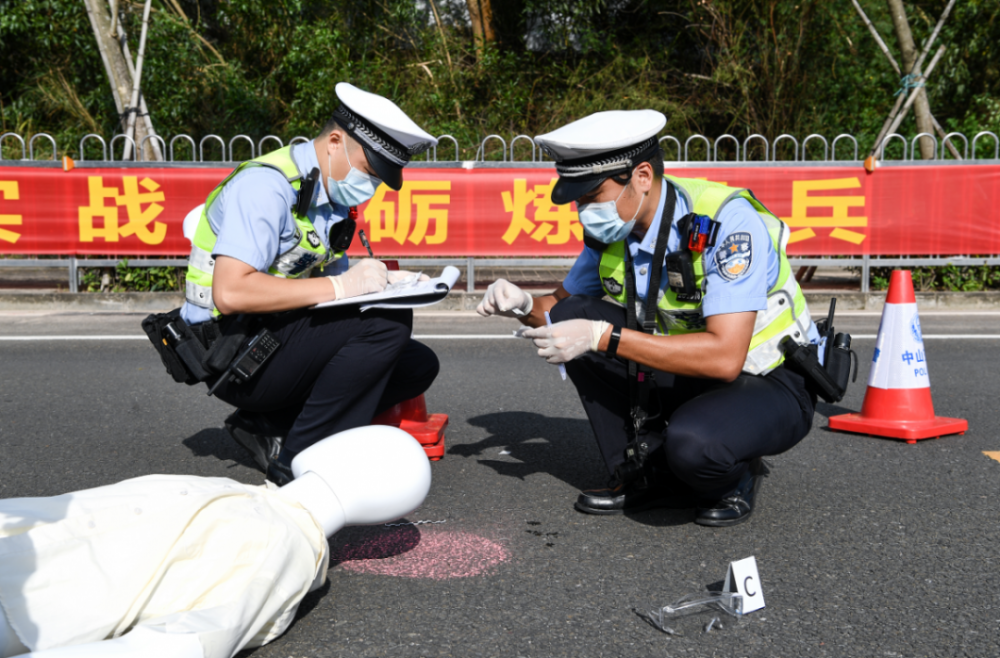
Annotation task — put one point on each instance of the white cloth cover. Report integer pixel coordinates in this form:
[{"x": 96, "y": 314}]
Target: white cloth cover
[{"x": 211, "y": 558}]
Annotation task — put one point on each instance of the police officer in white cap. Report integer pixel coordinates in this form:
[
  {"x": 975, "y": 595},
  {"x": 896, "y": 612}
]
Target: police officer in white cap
[
  {"x": 270, "y": 244},
  {"x": 685, "y": 389}
]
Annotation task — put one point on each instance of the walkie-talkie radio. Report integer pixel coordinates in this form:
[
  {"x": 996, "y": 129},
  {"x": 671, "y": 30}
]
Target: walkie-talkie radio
[{"x": 245, "y": 365}]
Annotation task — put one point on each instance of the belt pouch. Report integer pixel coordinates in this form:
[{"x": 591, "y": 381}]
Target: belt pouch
[
  {"x": 839, "y": 367},
  {"x": 233, "y": 334},
  {"x": 804, "y": 359},
  {"x": 155, "y": 327}
]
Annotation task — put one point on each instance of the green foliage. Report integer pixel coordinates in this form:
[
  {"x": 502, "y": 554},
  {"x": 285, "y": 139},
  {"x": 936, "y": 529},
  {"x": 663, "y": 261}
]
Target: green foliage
[
  {"x": 713, "y": 66},
  {"x": 948, "y": 278},
  {"x": 123, "y": 278}
]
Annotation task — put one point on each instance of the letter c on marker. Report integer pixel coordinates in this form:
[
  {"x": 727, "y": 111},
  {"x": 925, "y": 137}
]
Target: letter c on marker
[{"x": 746, "y": 588}]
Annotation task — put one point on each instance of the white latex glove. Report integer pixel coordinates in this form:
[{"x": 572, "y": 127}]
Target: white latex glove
[
  {"x": 565, "y": 341},
  {"x": 395, "y": 276},
  {"x": 506, "y": 299},
  {"x": 367, "y": 276}
]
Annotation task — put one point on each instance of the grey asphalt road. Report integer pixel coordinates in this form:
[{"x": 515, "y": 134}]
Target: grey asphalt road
[{"x": 866, "y": 547}]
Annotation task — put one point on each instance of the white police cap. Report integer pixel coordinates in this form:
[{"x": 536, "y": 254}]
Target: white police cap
[
  {"x": 390, "y": 138},
  {"x": 599, "y": 146}
]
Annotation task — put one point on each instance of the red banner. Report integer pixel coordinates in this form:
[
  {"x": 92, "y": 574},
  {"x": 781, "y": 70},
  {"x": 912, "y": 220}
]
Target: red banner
[{"x": 915, "y": 210}]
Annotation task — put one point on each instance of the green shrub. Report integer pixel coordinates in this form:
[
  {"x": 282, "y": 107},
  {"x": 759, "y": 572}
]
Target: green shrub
[
  {"x": 948, "y": 278},
  {"x": 123, "y": 278},
  {"x": 257, "y": 68}
]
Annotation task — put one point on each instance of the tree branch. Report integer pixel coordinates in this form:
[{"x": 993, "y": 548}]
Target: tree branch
[{"x": 878, "y": 38}]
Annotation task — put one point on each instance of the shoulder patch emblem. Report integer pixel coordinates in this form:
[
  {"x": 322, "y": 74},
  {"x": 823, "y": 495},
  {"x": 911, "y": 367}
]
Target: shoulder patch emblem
[
  {"x": 612, "y": 286},
  {"x": 313, "y": 238},
  {"x": 734, "y": 256}
]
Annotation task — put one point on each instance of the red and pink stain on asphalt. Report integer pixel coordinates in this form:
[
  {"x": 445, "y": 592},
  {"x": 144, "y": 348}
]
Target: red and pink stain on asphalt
[{"x": 409, "y": 552}]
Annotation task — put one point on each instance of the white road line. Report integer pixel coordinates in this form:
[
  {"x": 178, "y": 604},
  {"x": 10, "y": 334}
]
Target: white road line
[
  {"x": 940, "y": 336},
  {"x": 469, "y": 337},
  {"x": 956, "y": 312},
  {"x": 43, "y": 338},
  {"x": 818, "y": 309},
  {"x": 463, "y": 336}
]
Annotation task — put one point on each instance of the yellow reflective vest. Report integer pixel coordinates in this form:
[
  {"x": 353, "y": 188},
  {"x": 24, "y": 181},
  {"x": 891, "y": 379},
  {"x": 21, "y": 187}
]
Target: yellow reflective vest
[
  {"x": 308, "y": 252},
  {"x": 786, "y": 313}
]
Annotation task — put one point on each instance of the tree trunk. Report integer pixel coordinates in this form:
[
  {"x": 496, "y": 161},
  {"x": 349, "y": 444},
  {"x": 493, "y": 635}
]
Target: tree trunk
[
  {"x": 117, "y": 68},
  {"x": 481, "y": 15},
  {"x": 921, "y": 107}
]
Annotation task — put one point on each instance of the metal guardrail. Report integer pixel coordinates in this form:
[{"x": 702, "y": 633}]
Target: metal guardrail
[
  {"x": 686, "y": 153},
  {"x": 73, "y": 264}
]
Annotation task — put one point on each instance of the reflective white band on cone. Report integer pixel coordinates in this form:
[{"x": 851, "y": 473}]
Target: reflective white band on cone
[{"x": 899, "y": 360}]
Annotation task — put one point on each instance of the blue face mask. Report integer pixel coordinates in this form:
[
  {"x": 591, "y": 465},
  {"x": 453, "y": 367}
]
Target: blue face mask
[
  {"x": 355, "y": 189},
  {"x": 602, "y": 222}
]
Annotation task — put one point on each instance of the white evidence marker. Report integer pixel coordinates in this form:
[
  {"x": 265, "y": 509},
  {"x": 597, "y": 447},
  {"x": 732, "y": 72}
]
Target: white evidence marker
[{"x": 742, "y": 577}]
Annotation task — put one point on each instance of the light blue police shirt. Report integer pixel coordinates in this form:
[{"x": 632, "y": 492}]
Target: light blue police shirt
[
  {"x": 724, "y": 292},
  {"x": 252, "y": 217}
]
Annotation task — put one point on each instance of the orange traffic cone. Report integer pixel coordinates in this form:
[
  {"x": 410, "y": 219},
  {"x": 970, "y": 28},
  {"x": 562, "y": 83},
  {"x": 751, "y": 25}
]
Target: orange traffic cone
[
  {"x": 411, "y": 416},
  {"x": 898, "y": 400}
]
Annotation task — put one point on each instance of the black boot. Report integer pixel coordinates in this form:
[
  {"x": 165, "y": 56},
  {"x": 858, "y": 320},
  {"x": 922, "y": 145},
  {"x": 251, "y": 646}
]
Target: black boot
[
  {"x": 279, "y": 473},
  {"x": 737, "y": 505},
  {"x": 260, "y": 436},
  {"x": 656, "y": 490}
]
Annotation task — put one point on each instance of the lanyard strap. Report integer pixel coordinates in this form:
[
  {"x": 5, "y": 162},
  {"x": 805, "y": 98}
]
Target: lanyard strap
[{"x": 640, "y": 375}]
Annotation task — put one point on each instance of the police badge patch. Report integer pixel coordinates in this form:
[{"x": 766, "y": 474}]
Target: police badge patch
[
  {"x": 612, "y": 286},
  {"x": 312, "y": 238},
  {"x": 734, "y": 256}
]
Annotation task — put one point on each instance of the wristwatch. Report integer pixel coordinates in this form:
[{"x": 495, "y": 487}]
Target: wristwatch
[{"x": 616, "y": 335}]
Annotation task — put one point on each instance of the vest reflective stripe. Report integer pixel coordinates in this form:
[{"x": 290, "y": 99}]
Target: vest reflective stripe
[
  {"x": 786, "y": 314},
  {"x": 198, "y": 295},
  {"x": 307, "y": 252},
  {"x": 201, "y": 259},
  {"x": 200, "y": 267}
]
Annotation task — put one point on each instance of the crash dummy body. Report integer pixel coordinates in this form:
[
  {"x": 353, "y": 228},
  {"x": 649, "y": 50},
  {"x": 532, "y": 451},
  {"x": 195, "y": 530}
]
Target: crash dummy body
[{"x": 170, "y": 566}]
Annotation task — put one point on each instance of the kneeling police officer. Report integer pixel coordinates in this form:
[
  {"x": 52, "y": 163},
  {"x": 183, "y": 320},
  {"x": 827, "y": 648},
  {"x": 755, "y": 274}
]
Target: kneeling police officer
[
  {"x": 687, "y": 390},
  {"x": 264, "y": 230}
]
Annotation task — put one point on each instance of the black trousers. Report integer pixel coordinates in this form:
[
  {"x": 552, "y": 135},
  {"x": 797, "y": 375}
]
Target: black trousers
[
  {"x": 336, "y": 369},
  {"x": 708, "y": 431}
]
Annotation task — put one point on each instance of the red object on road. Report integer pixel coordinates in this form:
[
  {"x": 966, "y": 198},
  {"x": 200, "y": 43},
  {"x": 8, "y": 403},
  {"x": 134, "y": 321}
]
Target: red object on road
[
  {"x": 411, "y": 416},
  {"x": 898, "y": 401}
]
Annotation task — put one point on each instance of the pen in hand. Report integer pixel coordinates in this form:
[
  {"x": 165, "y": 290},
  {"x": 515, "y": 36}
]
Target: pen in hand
[{"x": 364, "y": 241}]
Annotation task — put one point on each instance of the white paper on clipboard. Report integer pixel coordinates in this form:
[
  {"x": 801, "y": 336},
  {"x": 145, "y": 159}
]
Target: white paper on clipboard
[{"x": 420, "y": 293}]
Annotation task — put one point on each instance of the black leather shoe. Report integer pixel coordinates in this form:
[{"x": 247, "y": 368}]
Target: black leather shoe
[
  {"x": 618, "y": 498},
  {"x": 279, "y": 473},
  {"x": 260, "y": 437},
  {"x": 736, "y": 506}
]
